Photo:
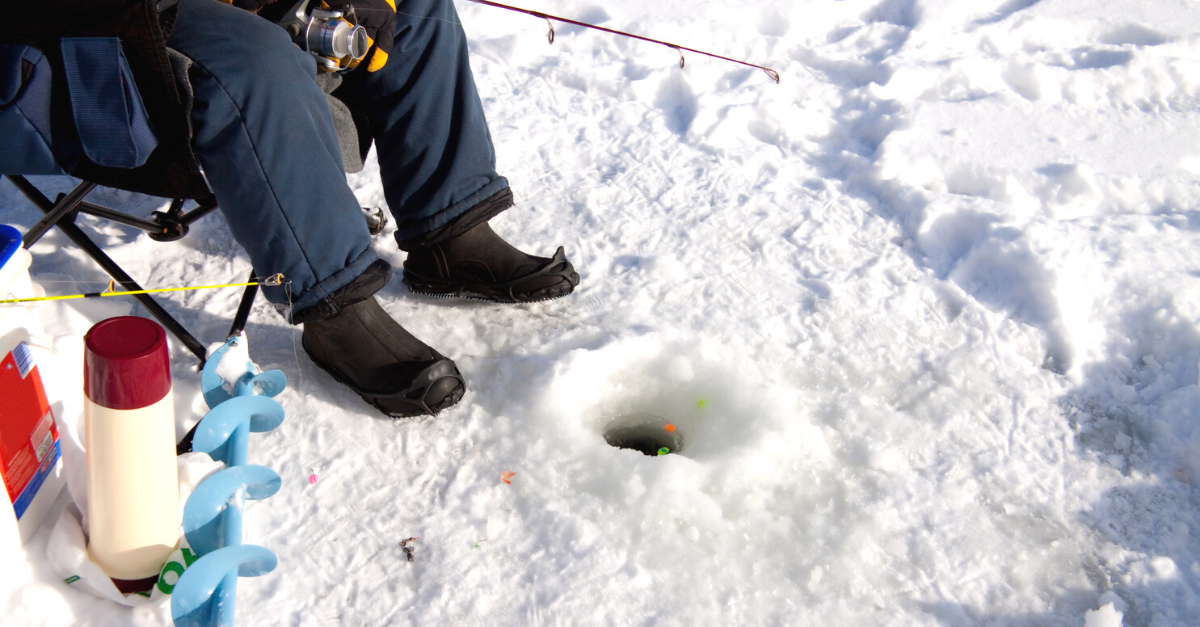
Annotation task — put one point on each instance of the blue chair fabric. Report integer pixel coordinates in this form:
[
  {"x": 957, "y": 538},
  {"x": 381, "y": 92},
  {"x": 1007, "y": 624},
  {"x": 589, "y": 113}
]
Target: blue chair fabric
[
  {"x": 25, "y": 83},
  {"x": 77, "y": 38},
  {"x": 110, "y": 118},
  {"x": 111, "y": 125}
]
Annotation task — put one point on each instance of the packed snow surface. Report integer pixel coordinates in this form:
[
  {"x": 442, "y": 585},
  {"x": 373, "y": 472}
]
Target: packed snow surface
[{"x": 925, "y": 315}]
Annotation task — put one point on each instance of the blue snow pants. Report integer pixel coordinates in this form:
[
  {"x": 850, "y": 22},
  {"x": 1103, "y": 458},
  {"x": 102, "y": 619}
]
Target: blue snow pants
[{"x": 265, "y": 137}]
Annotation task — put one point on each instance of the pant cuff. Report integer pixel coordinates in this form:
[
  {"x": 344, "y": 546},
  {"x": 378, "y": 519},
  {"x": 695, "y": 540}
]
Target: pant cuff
[
  {"x": 414, "y": 229},
  {"x": 288, "y": 304},
  {"x": 483, "y": 211}
]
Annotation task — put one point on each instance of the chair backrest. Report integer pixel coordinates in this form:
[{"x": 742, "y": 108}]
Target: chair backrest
[{"x": 67, "y": 33}]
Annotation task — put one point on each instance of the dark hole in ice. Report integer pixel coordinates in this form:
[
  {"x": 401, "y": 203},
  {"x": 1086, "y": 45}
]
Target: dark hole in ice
[{"x": 646, "y": 433}]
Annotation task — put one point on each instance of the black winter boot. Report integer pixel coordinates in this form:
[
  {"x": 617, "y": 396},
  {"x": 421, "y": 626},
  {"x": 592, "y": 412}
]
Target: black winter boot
[
  {"x": 362, "y": 347},
  {"x": 478, "y": 264}
]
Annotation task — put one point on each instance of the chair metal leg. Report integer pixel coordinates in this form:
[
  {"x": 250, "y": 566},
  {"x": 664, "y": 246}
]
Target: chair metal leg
[
  {"x": 76, "y": 235},
  {"x": 243, "y": 312},
  {"x": 162, "y": 226},
  {"x": 206, "y": 206},
  {"x": 120, "y": 218},
  {"x": 65, "y": 205}
]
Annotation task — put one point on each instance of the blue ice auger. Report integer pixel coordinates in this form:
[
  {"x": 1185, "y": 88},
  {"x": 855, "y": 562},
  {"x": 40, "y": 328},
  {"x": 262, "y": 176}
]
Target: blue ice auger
[{"x": 212, "y": 517}]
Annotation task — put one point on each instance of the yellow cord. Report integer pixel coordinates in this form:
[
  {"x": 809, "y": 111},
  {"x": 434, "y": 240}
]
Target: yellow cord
[{"x": 273, "y": 280}]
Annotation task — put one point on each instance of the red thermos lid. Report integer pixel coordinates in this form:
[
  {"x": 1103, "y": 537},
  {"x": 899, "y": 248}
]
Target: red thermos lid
[{"x": 125, "y": 363}]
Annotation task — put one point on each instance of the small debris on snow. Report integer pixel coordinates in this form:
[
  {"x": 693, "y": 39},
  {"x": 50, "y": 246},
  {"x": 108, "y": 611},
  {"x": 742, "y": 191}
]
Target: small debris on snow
[{"x": 408, "y": 550}]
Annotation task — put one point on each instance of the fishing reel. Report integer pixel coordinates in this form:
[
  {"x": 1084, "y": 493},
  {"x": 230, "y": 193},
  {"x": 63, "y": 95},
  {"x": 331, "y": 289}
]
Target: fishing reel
[{"x": 327, "y": 34}]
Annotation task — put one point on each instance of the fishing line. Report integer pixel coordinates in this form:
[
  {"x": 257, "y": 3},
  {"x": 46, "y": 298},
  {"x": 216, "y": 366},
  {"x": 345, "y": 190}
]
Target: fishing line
[
  {"x": 426, "y": 17},
  {"x": 112, "y": 291},
  {"x": 550, "y": 34},
  {"x": 287, "y": 289},
  {"x": 546, "y": 16}
]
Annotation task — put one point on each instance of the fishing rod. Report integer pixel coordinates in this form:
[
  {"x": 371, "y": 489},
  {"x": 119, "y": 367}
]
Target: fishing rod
[
  {"x": 772, "y": 73},
  {"x": 111, "y": 291}
]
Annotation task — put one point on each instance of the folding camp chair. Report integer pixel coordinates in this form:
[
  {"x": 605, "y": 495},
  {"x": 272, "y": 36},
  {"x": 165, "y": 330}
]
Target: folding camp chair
[
  {"x": 91, "y": 89},
  {"x": 162, "y": 226}
]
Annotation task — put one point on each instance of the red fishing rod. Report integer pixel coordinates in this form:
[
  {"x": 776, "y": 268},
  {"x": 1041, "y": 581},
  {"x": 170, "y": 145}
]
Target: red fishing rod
[{"x": 772, "y": 73}]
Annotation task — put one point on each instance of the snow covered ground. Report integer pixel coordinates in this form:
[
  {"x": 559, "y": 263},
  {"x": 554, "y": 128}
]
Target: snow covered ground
[{"x": 925, "y": 314}]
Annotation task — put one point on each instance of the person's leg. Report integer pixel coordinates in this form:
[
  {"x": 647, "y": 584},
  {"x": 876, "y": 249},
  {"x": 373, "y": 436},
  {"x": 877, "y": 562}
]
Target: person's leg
[
  {"x": 438, "y": 166},
  {"x": 264, "y": 134},
  {"x": 265, "y": 137},
  {"x": 435, "y": 153}
]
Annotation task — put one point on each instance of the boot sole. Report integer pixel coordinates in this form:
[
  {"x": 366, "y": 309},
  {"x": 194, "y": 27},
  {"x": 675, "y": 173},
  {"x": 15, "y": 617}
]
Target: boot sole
[
  {"x": 424, "y": 380},
  {"x": 499, "y": 292}
]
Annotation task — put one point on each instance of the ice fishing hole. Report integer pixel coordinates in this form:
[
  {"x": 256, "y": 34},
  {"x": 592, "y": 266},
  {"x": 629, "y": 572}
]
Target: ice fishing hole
[{"x": 646, "y": 433}]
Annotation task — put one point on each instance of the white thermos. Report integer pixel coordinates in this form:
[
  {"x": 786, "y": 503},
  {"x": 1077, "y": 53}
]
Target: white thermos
[{"x": 132, "y": 478}]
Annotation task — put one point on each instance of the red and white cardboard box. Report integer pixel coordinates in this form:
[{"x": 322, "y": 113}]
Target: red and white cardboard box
[{"x": 30, "y": 456}]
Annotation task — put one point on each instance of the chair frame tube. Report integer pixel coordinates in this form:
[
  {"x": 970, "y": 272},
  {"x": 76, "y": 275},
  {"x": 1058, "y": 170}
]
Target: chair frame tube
[{"x": 62, "y": 213}]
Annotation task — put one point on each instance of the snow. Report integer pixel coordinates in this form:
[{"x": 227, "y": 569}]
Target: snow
[
  {"x": 925, "y": 314},
  {"x": 1106, "y": 616},
  {"x": 235, "y": 362}
]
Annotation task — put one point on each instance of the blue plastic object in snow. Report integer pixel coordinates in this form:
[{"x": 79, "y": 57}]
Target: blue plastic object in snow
[
  {"x": 268, "y": 384},
  {"x": 10, "y": 242},
  {"x": 206, "y": 593},
  {"x": 212, "y": 516},
  {"x": 224, "y": 433}
]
